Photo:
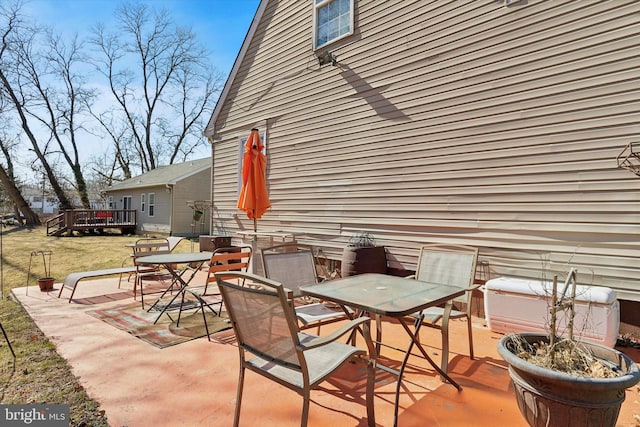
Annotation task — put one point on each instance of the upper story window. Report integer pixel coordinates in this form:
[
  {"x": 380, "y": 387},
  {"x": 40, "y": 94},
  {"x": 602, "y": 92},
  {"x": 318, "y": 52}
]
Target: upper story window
[{"x": 332, "y": 20}]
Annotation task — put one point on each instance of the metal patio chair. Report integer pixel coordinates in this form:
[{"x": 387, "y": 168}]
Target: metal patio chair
[
  {"x": 146, "y": 247},
  {"x": 453, "y": 265},
  {"x": 270, "y": 344},
  {"x": 235, "y": 258},
  {"x": 294, "y": 265}
]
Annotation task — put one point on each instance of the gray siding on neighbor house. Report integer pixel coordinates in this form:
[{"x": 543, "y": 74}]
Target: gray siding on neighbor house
[
  {"x": 173, "y": 214},
  {"x": 185, "y": 191},
  {"x": 175, "y": 187},
  {"x": 461, "y": 122},
  {"x": 159, "y": 223}
]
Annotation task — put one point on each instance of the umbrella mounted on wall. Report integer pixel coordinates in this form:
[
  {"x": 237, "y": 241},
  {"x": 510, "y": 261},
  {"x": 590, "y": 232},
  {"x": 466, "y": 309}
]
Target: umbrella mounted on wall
[{"x": 254, "y": 197}]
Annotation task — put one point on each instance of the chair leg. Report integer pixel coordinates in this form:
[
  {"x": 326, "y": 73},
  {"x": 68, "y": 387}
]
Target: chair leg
[
  {"x": 445, "y": 337},
  {"x": 306, "y": 397},
  {"x": 203, "y": 303},
  {"x": 204, "y": 316},
  {"x": 236, "y": 417},
  {"x": 135, "y": 287},
  {"x": 469, "y": 331},
  {"x": 371, "y": 380},
  {"x": 141, "y": 292},
  {"x": 206, "y": 326}
]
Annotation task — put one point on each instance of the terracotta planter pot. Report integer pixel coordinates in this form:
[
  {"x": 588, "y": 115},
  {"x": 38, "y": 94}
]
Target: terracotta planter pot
[
  {"x": 550, "y": 398},
  {"x": 46, "y": 284}
]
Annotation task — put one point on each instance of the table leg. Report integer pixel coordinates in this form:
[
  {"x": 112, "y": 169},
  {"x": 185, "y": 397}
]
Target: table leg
[
  {"x": 414, "y": 341},
  {"x": 183, "y": 285},
  {"x": 175, "y": 278},
  {"x": 180, "y": 291}
]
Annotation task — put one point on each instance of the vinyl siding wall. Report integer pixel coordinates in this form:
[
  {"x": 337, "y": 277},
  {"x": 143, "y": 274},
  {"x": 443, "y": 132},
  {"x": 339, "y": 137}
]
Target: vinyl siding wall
[{"x": 448, "y": 121}]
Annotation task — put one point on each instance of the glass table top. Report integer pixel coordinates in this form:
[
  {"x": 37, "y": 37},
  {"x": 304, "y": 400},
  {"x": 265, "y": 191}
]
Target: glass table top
[{"x": 383, "y": 294}]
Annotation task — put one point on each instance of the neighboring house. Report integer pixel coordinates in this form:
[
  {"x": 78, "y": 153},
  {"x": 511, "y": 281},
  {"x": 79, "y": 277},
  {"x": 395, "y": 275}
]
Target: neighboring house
[
  {"x": 40, "y": 201},
  {"x": 49, "y": 204},
  {"x": 163, "y": 198},
  {"x": 489, "y": 123}
]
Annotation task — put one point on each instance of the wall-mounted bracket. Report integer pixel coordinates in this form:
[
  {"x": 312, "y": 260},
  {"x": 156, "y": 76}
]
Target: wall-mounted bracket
[
  {"x": 326, "y": 57},
  {"x": 629, "y": 159}
]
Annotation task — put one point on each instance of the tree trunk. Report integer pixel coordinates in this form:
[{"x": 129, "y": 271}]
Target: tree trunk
[
  {"x": 17, "y": 199},
  {"x": 65, "y": 203}
]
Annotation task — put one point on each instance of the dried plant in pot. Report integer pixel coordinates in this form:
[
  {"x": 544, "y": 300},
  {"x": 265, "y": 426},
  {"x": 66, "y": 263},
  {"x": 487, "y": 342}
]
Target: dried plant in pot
[{"x": 562, "y": 381}]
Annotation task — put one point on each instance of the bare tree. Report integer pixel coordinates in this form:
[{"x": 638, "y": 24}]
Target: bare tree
[
  {"x": 119, "y": 134},
  {"x": 165, "y": 99},
  {"x": 57, "y": 98},
  {"x": 157, "y": 74},
  {"x": 193, "y": 98},
  {"x": 66, "y": 105},
  {"x": 8, "y": 180},
  {"x": 23, "y": 72}
]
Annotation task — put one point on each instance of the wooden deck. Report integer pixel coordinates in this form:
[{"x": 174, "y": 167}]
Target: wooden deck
[{"x": 87, "y": 221}]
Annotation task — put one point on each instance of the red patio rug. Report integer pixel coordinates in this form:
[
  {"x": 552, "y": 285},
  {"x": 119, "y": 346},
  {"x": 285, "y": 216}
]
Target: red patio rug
[{"x": 139, "y": 323}]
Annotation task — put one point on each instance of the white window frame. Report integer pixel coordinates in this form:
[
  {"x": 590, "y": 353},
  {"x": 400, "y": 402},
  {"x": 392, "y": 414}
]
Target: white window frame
[
  {"x": 317, "y": 6},
  {"x": 110, "y": 200},
  {"x": 152, "y": 204},
  {"x": 241, "y": 141},
  {"x": 143, "y": 202}
]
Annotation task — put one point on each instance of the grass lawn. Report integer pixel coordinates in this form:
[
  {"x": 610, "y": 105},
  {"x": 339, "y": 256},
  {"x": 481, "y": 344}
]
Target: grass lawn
[{"x": 40, "y": 375}]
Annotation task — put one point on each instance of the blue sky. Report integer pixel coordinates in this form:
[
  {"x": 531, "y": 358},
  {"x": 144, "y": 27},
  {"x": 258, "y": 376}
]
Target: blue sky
[{"x": 220, "y": 24}]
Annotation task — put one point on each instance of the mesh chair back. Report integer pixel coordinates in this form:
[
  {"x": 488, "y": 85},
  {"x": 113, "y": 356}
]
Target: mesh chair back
[
  {"x": 452, "y": 265},
  {"x": 152, "y": 246},
  {"x": 263, "y": 319},
  {"x": 292, "y": 265}
]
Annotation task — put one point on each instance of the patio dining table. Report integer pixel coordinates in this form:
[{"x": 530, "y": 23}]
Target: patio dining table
[
  {"x": 392, "y": 296},
  {"x": 170, "y": 262}
]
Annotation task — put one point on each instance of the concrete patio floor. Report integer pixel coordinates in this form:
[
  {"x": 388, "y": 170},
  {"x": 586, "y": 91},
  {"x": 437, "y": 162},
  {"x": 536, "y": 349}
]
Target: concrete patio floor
[{"x": 194, "y": 383}]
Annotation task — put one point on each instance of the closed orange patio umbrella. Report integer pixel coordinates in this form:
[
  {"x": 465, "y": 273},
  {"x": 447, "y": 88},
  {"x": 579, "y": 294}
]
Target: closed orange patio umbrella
[{"x": 254, "y": 197}]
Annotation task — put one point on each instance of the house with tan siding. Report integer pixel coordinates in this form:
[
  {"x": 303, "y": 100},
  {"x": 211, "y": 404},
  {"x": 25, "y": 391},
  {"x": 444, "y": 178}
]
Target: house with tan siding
[
  {"x": 165, "y": 198},
  {"x": 489, "y": 123}
]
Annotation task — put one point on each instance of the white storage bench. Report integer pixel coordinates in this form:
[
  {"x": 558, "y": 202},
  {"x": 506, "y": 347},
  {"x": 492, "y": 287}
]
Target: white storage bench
[{"x": 522, "y": 305}]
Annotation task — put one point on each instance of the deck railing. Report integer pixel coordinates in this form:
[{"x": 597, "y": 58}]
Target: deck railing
[{"x": 92, "y": 220}]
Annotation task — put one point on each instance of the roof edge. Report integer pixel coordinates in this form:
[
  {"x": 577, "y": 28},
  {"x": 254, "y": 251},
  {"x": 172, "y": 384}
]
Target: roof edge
[{"x": 209, "y": 130}]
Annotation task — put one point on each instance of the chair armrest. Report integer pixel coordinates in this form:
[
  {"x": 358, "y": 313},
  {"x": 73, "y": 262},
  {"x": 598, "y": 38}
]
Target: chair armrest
[
  {"x": 473, "y": 287},
  {"x": 127, "y": 258},
  {"x": 353, "y": 324}
]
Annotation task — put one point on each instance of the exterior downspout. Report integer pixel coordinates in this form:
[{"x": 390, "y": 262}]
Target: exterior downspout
[{"x": 169, "y": 189}]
